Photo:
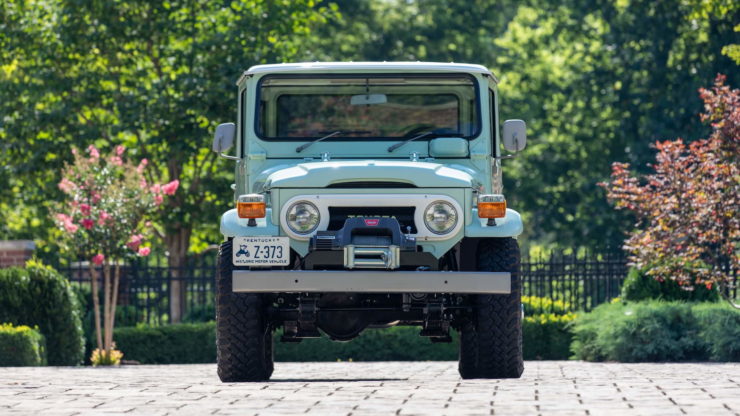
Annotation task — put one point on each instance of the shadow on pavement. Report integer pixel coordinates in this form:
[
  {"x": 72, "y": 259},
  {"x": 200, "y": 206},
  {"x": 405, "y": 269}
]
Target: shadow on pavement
[{"x": 331, "y": 380}]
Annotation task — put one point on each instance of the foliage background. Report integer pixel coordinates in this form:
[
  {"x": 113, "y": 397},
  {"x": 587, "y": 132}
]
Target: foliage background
[
  {"x": 38, "y": 296},
  {"x": 545, "y": 337},
  {"x": 596, "y": 81},
  {"x": 658, "y": 331}
]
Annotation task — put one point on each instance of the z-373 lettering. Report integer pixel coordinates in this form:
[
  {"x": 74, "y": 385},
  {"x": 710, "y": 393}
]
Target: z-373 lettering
[{"x": 268, "y": 252}]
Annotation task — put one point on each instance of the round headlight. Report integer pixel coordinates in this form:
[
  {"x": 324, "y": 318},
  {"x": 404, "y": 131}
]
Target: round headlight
[
  {"x": 303, "y": 217},
  {"x": 440, "y": 217}
]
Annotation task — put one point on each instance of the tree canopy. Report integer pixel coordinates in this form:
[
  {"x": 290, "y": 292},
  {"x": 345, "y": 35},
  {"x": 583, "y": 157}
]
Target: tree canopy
[
  {"x": 155, "y": 77},
  {"x": 596, "y": 82}
]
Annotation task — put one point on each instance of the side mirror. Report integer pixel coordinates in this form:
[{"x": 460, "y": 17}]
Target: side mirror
[
  {"x": 515, "y": 135},
  {"x": 223, "y": 140}
]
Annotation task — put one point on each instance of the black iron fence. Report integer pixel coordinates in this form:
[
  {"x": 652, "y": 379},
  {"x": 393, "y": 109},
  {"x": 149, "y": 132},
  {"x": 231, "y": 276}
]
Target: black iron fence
[
  {"x": 578, "y": 281},
  {"x": 157, "y": 294}
]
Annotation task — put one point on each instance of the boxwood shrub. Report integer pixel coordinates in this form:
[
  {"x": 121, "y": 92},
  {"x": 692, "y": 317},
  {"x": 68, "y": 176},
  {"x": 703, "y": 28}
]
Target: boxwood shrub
[
  {"x": 545, "y": 337},
  {"x": 169, "y": 344},
  {"x": 719, "y": 326},
  {"x": 400, "y": 343},
  {"x": 37, "y": 295},
  {"x": 658, "y": 331},
  {"x": 21, "y": 346}
]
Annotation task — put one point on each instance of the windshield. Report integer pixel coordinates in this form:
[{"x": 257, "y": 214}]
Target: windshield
[{"x": 381, "y": 107}]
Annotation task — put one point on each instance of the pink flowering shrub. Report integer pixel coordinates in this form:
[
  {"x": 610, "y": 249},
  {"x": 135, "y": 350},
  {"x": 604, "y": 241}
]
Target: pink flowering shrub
[
  {"x": 107, "y": 199},
  {"x": 103, "y": 219}
]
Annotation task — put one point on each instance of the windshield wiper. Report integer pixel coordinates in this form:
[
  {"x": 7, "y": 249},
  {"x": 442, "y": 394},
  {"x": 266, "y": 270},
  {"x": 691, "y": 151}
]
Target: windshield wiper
[
  {"x": 304, "y": 146},
  {"x": 397, "y": 145}
]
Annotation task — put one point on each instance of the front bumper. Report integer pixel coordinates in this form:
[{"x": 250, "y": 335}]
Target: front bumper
[{"x": 362, "y": 281}]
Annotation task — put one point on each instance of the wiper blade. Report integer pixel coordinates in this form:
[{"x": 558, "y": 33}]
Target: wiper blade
[
  {"x": 304, "y": 146},
  {"x": 397, "y": 145}
]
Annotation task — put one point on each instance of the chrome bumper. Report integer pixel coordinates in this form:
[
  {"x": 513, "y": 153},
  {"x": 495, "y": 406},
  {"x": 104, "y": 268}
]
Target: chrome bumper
[{"x": 269, "y": 281}]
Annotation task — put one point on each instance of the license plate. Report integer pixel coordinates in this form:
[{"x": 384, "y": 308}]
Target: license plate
[{"x": 261, "y": 251}]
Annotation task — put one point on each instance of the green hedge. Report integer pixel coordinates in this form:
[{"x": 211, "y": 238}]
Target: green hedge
[
  {"x": 200, "y": 313},
  {"x": 170, "y": 344},
  {"x": 638, "y": 286},
  {"x": 37, "y": 295},
  {"x": 534, "y": 305},
  {"x": 196, "y": 343},
  {"x": 658, "y": 331},
  {"x": 545, "y": 337},
  {"x": 719, "y": 325},
  {"x": 399, "y": 343},
  {"x": 21, "y": 346}
]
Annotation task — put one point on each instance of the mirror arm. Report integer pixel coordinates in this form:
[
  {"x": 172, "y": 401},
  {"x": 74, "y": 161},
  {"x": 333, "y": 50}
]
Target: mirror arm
[{"x": 511, "y": 156}]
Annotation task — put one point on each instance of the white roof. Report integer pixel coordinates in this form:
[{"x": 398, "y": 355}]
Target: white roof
[{"x": 370, "y": 66}]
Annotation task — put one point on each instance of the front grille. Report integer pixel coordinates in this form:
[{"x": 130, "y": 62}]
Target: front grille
[{"x": 404, "y": 216}]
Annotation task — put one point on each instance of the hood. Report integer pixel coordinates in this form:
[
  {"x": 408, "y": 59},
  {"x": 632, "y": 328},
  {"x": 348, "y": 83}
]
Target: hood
[{"x": 324, "y": 174}]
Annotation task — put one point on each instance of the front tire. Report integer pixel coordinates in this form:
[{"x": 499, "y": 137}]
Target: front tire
[
  {"x": 491, "y": 340},
  {"x": 243, "y": 336}
]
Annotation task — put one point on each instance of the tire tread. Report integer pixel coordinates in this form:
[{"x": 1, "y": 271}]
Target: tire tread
[
  {"x": 243, "y": 340},
  {"x": 491, "y": 345}
]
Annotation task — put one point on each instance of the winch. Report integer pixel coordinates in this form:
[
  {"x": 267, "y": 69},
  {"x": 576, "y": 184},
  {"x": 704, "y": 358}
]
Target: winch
[{"x": 374, "y": 243}]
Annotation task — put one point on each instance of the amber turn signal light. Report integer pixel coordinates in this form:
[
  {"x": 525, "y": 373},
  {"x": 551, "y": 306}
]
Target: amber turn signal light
[
  {"x": 491, "y": 206},
  {"x": 251, "y": 206}
]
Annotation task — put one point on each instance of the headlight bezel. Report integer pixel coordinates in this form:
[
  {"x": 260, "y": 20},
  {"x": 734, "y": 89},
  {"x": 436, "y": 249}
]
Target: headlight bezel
[
  {"x": 291, "y": 212},
  {"x": 452, "y": 210}
]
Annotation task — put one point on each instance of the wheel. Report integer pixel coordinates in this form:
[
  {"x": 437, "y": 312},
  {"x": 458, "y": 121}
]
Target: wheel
[
  {"x": 243, "y": 336},
  {"x": 491, "y": 341}
]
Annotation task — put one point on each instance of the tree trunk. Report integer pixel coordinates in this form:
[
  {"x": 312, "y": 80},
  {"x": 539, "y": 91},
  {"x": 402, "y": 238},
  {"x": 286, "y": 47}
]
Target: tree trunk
[
  {"x": 114, "y": 300},
  {"x": 96, "y": 305},
  {"x": 108, "y": 336},
  {"x": 177, "y": 243}
]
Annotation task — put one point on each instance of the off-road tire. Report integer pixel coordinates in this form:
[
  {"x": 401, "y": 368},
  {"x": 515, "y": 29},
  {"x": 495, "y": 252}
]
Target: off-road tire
[
  {"x": 491, "y": 340},
  {"x": 243, "y": 337}
]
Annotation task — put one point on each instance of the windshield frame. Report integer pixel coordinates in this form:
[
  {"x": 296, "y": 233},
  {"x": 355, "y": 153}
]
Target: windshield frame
[{"x": 257, "y": 108}]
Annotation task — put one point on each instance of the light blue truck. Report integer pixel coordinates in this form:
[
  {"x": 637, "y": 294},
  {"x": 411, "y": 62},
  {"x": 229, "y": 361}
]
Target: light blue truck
[{"x": 369, "y": 195}]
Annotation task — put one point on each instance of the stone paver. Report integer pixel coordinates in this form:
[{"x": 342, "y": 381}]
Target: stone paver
[{"x": 387, "y": 388}]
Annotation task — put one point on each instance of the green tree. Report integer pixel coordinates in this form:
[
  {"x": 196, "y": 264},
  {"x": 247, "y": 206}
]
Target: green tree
[
  {"x": 596, "y": 82},
  {"x": 403, "y": 30},
  {"x": 156, "y": 77}
]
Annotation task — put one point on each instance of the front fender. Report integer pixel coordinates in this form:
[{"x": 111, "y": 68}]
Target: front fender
[
  {"x": 509, "y": 226},
  {"x": 233, "y": 226}
]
